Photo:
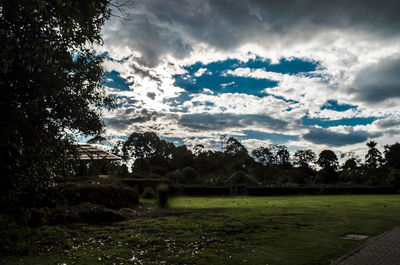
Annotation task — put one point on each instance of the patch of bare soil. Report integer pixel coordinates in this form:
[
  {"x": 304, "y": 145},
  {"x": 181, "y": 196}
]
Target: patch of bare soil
[
  {"x": 95, "y": 213},
  {"x": 355, "y": 237}
]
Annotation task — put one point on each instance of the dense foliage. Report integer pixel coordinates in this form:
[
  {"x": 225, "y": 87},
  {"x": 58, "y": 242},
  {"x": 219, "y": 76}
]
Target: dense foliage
[
  {"x": 270, "y": 165},
  {"x": 51, "y": 88}
]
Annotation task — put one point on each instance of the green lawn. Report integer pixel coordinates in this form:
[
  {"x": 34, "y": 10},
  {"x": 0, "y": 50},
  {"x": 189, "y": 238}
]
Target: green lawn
[{"x": 224, "y": 230}]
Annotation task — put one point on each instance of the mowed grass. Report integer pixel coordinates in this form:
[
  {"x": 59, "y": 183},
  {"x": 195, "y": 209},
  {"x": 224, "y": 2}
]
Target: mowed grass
[{"x": 224, "y": 230}]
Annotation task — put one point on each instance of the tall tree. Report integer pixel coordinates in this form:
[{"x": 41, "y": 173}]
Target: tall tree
[
  {"x": 147, "y": 149},
  {"x": 351, "y": 170},
  {"x": 304, "y": 171},
  {"x": 303, "y": 158},
  {"x": 263, "y": 155},
  {"x": 237, "y": 154},
  {"x": 51, "y": 87},
  {"x": 392, "y": 155},
  {"x": 373, "y": 158},
  {"x": 328, "y": 162},
  {"x": 234, "y": 147},
  {"x": 282, "y": 155}
]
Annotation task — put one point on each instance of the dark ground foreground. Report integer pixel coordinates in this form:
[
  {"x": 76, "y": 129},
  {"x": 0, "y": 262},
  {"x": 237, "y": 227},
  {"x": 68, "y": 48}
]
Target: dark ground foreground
[
  {"x": 281, "y": 230},
  {"x": 380, "y": 250}
]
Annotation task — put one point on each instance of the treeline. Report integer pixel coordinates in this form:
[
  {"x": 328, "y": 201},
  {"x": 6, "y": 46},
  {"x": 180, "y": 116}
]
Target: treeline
[{"x": 270, "y": 165}]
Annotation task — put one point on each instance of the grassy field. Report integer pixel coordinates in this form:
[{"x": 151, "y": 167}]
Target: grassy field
[{"x": 216, "y": 230}]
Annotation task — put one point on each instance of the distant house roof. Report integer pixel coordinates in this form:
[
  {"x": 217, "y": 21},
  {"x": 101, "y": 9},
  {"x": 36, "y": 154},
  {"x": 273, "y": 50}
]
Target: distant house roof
[
  {"x": 240, "y": 177},
  {"x": 90, "y": 152}
]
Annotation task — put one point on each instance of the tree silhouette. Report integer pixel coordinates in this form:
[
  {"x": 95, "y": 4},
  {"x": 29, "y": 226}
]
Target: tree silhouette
[
  {"x": 392, "y": 155},
  {"x": 373, "y": 158},
  {"x": 303, "y": 158},
  {"x": 237, "y": 154},
  {"x": 282, "y": 155},
  {"x": 328, "y": 162},
  {"x": 351, "y": 168},
  {"x": 51, "y": 87},
  {"x": 263, "y": 155},
  {"x": 148, "y": 150}
]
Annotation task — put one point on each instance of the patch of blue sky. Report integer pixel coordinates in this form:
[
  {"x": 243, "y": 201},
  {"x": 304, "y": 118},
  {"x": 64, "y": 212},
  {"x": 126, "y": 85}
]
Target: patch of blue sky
[
  {"x": 206, "y": 103},
  {"x": 225, "y": 84},
  {"x": 106, "y": 55},
  {"x": 216, "y": 79},
  {"x": 285, "y": 66},
  {"x": 293, "y": 67},
  {"x": 326, "y": 123},
  {"x": 175, "y": 140},
  {"x": 178, "y": 101},
  {"x": 117, "y": 81},
  {"x": 274, "y": 138},
  {"x": 334, "y": 105}
]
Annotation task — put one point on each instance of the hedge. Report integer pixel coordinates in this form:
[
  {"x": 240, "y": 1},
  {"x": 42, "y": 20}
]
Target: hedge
[
  {"x": 201, "y": 190},
  {"x": 141, "y": 183},
  {"x": 268, "y": 191},
  {"x": 196, "y": 190}
]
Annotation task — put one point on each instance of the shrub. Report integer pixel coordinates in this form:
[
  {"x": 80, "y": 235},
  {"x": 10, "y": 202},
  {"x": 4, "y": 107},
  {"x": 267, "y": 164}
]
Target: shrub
[
  {"x": 175, "y": 175},
  {"x": 394, "y": 177},
  {"x": 190, "y": 175},
  {"x": 373, "y": 180},
  {"x": 39, "y": 216},
  {"x": 162, "y": 192},
  {"x": 114, "y": 196},
  {"x": 148, "y": 193}
]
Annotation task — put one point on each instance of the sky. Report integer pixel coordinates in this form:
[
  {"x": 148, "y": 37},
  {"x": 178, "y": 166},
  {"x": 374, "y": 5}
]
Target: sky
[{"x": 308, "y": 74}]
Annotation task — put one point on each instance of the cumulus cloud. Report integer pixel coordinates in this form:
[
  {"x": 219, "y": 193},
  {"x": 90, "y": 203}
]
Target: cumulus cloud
[
  {"x": 331, "y": 138},
  {"x": 355, "y": 45},
  {"x": 378, "y": 82},
  {"x": 222, "y": 121},
  {"x": 125, "y": 118},
  {"x": 157, "y": 28},
  {"x": 387, "y": 123}
]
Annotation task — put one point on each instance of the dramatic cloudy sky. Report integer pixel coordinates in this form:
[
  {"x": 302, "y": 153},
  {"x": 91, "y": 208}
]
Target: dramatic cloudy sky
[{"x": 305, "y": 73}]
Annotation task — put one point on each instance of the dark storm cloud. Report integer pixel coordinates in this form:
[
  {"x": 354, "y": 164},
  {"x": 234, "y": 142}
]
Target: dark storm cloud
[
  {"x": 378, "y": 82},
  {"x": 151, "y": 95},
  {"x": 221, "y": 121},
  {"x": 324, "y": 136},
  {"x": 143, "y": 72},
  {"x": 387, "y": 123},
  {"x": 159, "y": 27},
  {"x": 152, "y": 40},
  {"x": 131, "y": 116}
]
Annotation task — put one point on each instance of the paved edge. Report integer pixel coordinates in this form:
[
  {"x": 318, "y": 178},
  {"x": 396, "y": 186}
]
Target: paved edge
[{"x": 359, "y": 248}]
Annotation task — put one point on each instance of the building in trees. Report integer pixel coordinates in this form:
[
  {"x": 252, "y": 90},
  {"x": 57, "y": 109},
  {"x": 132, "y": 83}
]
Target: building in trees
[{"x": 95, "y": 161}]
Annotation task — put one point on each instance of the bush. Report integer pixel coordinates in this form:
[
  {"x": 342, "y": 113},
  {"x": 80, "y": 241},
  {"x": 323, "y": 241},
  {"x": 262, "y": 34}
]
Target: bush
[
  {"x": 15, "y": 238},
  {"x": 148, "y": 193},
  {"x": 114, "y": 196},
  {"x": 394, "y": 177},
  {"x": 162, "y": 192},
  {"x": 190, "y": 175},
  {"x": 373, "y": 180},
  {"x": 141, "y": 183},
  {"x": 39, "y": 216}
]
